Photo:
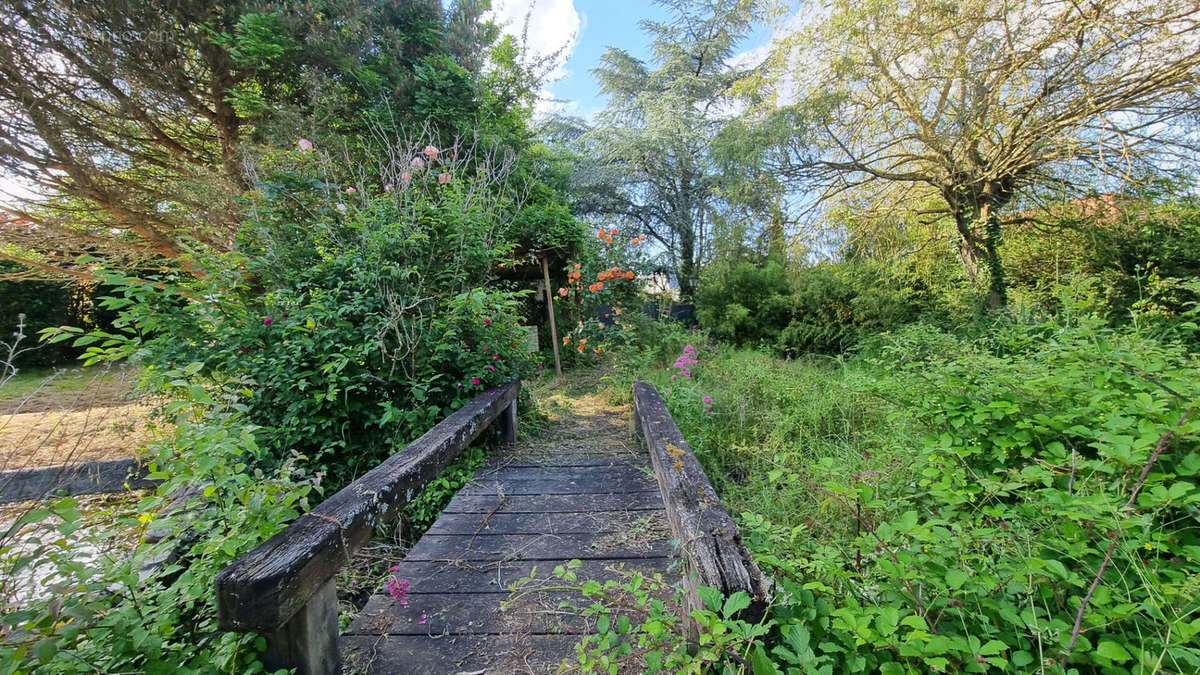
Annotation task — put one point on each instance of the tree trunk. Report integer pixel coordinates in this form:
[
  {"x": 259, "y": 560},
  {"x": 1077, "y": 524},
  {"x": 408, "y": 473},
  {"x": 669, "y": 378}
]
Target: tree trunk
[
  {"x": 969, "y": 250},
  {"x": 686, "y": 267},
  {"x": 979, "y": 247},
  {"x": 997, "y": 284}
]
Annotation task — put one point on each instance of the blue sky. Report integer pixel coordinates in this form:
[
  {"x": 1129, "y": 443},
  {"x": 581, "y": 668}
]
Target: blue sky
[{"x": 586, "y": 28}]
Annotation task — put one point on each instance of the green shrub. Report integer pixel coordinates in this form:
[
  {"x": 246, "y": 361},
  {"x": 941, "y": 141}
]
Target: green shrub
[
  {"x": 109, "y": 612},
  {"x": 747, "y": 305},
  {"x": 351, "y": 321},
  {"x": 945, "y": 505},
  {"x": 835, "y": 306}
]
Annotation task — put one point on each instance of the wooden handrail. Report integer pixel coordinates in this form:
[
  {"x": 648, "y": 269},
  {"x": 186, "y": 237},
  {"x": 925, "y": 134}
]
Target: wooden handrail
[
  {"x": 285, "y": 587},
  {"x": 714, "y": 554}
]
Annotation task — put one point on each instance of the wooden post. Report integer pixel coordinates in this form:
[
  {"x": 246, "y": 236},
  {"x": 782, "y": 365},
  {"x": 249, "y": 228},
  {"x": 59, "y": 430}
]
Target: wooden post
[
  {"x": 508, "y": 424},
  {"x": 550, "y": 311},
  {"x": 308, "y": 641}
]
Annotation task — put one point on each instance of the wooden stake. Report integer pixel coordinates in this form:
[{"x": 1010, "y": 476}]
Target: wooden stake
[{"x": 550, "y": 311}]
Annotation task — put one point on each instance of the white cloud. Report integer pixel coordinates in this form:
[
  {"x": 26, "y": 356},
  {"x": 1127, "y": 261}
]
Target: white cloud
[{"x": 549, "y": 29}]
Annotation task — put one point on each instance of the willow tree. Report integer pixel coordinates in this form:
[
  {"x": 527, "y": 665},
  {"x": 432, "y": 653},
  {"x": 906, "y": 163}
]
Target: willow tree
[
  {"x": 980, "y": 103},
  {"x": 648, "y": 161}
]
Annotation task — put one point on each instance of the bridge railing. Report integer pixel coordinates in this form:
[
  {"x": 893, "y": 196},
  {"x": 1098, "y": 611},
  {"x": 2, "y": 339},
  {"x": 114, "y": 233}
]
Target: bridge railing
[
  {"x": 284, "y": 589},
  {"x": 710, "y": 541}
]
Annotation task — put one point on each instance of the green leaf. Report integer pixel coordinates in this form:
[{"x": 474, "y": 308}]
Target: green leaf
[
  {"x": 992, "y": 647},
  {"x": 761, "y": 662},
  {"x": 956, "y": 578},
  {"x": 735, "y": 603},
  {"x": 713, "y": 599},
  {"x": 1113, "y": 651}
]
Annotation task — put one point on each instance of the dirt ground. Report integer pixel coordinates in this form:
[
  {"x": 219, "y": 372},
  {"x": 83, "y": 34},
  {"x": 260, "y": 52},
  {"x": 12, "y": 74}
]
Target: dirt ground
[{"x": 71, "y": 415}]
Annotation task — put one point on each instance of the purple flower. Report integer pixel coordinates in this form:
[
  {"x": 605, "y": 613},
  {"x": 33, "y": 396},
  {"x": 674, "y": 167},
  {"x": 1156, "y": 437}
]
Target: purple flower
[
  {"x": 491, "y": 367},
  {"x": 474, "y": 380},
  {"x": 268, "y": 321},
  {"x": 397, "y": 588},
  {"x": 708, "y": 399},
  {"x": 487, "y": 322},
  {"x": 495, "y": 357}
]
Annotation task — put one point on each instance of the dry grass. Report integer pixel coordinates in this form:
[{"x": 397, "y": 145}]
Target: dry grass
[{"x": 70, "y": 416}]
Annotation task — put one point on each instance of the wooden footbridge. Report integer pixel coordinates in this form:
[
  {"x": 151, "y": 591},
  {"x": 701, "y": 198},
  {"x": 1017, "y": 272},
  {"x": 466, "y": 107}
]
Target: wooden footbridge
[{"x": 604, "y": 504}]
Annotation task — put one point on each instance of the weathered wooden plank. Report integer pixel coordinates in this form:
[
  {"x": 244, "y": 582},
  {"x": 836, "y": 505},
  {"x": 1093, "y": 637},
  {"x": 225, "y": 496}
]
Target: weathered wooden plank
[
  {"x": 490, "y": 654},
  {"x": 590, "y": 522},
  {"x": 710, "y": 540},
  {"x": 113, "y": 475},
  {"x": 575, "y": 473},
  {"x": 472, "y": 613},
  {"x": 497, "y": 576},
  {"x": 483, "y": 502},
  {"x": 498, "y": 463},
  {"x": 541, "y": 546},
  {"x": 561, "y": 486},
  {"x": 264, "y": 588}
]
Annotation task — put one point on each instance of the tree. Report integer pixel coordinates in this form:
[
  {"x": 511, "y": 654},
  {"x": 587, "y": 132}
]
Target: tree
[
  {"x": 648, "y": 162},
  {"x": 983, "y": 104},
  {"x": 134, "y": 120}
]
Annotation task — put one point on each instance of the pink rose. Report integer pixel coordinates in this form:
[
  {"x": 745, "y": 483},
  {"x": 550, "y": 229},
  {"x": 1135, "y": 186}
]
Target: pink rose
[
  {"x": 351, "y": 190},
  {"x": 268, "y": 321},
  {"x": 417, "y": 163},
  {"x": 474, "y": 380},
  {"x": 406, "y": 178},
  {"x": 387, "y": 187},
  {"x": 305, "y": 144},
  {"x": 430, "y": 152},
  {"x": 443, "y": 178}
]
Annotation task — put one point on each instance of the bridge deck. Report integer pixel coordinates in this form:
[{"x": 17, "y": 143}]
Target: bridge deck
[{"x": 584, "y": 490}]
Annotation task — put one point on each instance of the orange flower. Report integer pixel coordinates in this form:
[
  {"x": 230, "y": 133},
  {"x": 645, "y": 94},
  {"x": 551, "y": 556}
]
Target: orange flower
[
  {"x": 618, "y": 310},
  {"x": 576, "y": 265},
  {"x": 629, "y": 275},
  {"x": 562, "y": 292},
  {"x": 608, "y": 240},
  {"x": 600, "y": 234},
  {"x": 596, "y": 350},
  {"x": 613, "y": 232},
  {"x": 580, "y": 348},
  {"x": 583, "y": 341},
  {"x": 599, "y": 285}
]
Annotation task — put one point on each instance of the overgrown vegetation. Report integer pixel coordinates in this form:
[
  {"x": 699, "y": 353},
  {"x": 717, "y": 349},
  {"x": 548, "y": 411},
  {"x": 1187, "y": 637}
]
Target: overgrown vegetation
[{"x": 946, "y": 286}]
